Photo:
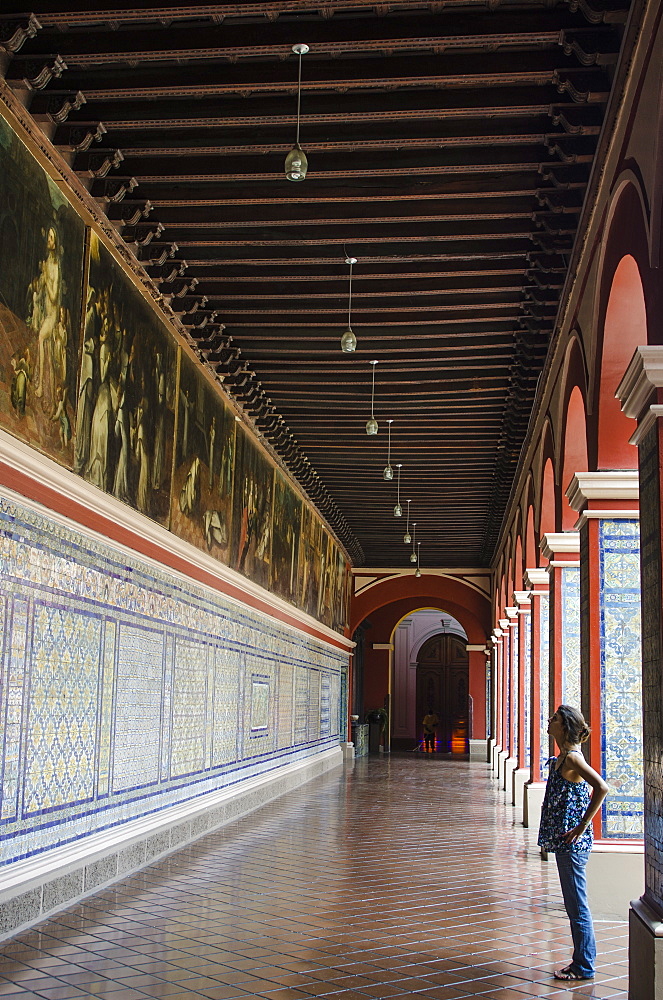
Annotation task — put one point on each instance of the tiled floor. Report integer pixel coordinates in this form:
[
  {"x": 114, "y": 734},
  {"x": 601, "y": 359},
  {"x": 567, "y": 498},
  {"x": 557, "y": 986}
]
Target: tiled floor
[{"x": 399, "y": 876}]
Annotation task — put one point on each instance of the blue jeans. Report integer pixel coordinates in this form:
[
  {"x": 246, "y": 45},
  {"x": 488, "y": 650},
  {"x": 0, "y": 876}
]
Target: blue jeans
[{"x": 572, "y": 877}]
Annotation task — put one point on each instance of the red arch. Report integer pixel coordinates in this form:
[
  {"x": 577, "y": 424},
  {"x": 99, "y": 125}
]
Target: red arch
[
  {"x": 547, "y": 522},
  {"x": 624, "y": 329},
  {"x": 518, "y": 566},
  {"x": 574, "y": 456},
  {"x": 531, "y": 548}
]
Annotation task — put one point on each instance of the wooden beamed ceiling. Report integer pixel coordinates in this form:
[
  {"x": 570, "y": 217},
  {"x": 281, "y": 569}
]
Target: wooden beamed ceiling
[{"x": 451, "y": 148}]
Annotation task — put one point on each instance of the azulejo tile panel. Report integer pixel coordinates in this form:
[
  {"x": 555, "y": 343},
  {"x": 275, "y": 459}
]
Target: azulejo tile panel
[
  {"x": 621, "y": 674},
  {"x": 125, "y": 689},
  {"x": 525, "y": 623},
  {"x": 544, "y": 674},
  {"x": 571, "y": 636}
]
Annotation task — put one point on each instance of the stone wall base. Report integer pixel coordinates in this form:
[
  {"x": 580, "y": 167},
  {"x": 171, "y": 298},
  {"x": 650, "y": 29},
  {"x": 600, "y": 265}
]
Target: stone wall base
[
  {"x": 532, "y": 802},
  {"x": 478, "y": 750},
  {"x": 645, "y": 942},
  {"x": 615, "y": 876},
  {"x": 32, "y": 889}
]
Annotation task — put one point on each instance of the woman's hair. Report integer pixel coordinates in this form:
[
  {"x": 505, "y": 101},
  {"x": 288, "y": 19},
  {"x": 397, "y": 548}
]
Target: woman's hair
[{"x": 575, "y": 727}]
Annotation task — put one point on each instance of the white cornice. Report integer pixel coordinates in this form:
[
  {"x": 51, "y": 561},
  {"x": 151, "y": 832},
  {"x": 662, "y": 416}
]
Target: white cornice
[
  {"x": 536, "y": 578},
  {"x": 643, "y": 375},
  {"x": 43, "y": 471},
  {"x": 560, "y": 541},
  {"x": 613, "y": 485},
  {"x": 606, "y": 515},
  {"x": 646, "y": 423}
]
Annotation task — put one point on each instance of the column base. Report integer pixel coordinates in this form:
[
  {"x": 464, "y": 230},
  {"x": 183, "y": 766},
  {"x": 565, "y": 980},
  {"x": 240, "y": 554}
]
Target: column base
[
  {"x": 348, "y": 752},
  {"x": 615, "y": 876},
  {"x": 532, "y": 802},
  {"x": 645, "y": 938},
  {"x": 478, "y": 750},
  {"x": 499, "y": 765},
  {"x": 510, "y": 765},
  {"x": 519, "y": 780},
  {"x": 495, "y": 759}
]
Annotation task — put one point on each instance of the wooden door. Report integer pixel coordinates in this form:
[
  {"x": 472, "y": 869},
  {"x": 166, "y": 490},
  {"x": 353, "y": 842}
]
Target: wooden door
[{"x": 442, "y": 686}]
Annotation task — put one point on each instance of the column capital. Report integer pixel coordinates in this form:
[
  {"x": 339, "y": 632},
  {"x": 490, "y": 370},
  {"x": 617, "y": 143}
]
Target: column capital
[
  {"x": 512, "y": 613},
  {"x": 643, "y": 377},
  {"x": 536, "y": 578},
  {"x": 522, "y": 599},
  {"x": 504, "y": 624},
  {"x": 561, "y": 543},
  {"x": 497, "y": 635},
  {"x": 475, "y": 648},
  {"x": 588, "y": 487}
]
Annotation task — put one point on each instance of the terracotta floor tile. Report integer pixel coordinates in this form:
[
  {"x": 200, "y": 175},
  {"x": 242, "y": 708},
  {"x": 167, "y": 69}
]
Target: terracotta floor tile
[{"x": 304, "y": 899}]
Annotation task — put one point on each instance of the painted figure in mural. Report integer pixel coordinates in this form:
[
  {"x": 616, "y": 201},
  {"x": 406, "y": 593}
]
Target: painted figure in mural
[
  {"x": 212, "y": 436},
  {"x": 86, "y": 389},
  {"x": 190, "y": 492},
  {"x": 60, "y": 340},
  {"x": 159, "y": 423},
  {"x": 62, "y": 416},
  {"x": 97, "y": 467},
  {"x": 121, "y": 480},
  {"x": 566, "y": 831},
  {"x": 141, "y": 450},
  {"x": 20, "y": 381},
  {"x": 45, "y": 317},
  {"x": 187, "y": 407}
]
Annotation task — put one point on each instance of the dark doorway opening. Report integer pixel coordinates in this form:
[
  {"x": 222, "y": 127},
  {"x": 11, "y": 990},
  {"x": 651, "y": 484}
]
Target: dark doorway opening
[{"x": 442, "y": 688}]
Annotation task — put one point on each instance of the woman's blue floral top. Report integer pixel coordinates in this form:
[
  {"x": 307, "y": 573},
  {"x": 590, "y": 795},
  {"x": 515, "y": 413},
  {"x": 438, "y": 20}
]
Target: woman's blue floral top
[{"x": 564, "y": 805}]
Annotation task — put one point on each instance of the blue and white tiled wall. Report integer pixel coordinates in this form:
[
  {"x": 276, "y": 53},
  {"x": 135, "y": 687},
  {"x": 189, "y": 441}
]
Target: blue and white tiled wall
[
  {"x": 621, "y": 674},
  {"x": 126, "y": 689},
  {"x": 544, "y": 675}
]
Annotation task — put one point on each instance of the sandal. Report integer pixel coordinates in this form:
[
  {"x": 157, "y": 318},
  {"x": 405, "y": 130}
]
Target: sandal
[{"x": 569, "y": 974}]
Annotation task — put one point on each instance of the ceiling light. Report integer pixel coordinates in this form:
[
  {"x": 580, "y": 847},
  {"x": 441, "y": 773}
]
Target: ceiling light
[
  {"x": 296, "y": 163},
  {"x": 407, "y": 538},
  {"x": 413, "y": 556},
  {"x": 418, "y": 570},
  {"x": 348, "y": 340},
  {"x": 388, "y": 472},
  {"x": 372, "y": 424},
  {"x": 398, "y": 510}
]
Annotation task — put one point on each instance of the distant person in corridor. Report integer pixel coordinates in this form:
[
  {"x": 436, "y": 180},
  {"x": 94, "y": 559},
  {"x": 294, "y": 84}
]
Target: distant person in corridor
[
  {"x": 430, "y": 724},
  {"x": 566, "y": 831}
]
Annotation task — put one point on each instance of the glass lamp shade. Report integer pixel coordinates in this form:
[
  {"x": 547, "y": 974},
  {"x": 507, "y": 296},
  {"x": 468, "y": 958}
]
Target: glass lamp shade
[
  {"x": 398, "y": 510},
  {"x": 418, "y": 573},
  {"x": 388, "y": 472},
  {"x": 348, "y": 342},
  {"x": 371, "y": 426},
  {"x": 413, "y": 558},
  {"x": 296, "y": 164},
  {"x": 407, "y": 538}
]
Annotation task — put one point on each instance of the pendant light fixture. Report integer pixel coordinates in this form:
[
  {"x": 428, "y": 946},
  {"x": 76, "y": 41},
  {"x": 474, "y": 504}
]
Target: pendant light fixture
[
  {"x": 348, "y": 340},
  {"x": 372, "y": 424},
  {"x": 296, "y": 163},
  {"x": 413, "y": 557},
  {"x": 418, "y": 570},
  {"x": 398, "y": 510},
  {"x": 407, "y": 537},
  {"x": 388, "y": 472}
]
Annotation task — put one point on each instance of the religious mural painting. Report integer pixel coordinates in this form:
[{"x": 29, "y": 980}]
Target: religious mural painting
[
  {"x": 310, "y": 562},
  {"x": 126, "y": 392},
  {"x": 252, "y": 510},
  {"x": 201, "y": 506},
  {"x": 42, "y": 243},
  {"x": 285, "y": 538}
]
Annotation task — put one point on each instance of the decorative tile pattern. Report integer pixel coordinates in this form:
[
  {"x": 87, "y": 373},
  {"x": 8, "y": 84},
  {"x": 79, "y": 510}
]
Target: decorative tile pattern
[
  {"x": 621, "y": 674},
  {"x": 570, "y": 583},
  {"x": 62, "y": 708},
  {"x": 544, "y": 673},
  {"x": 515, "y": 670},
  {"x": 126, "y": 690},
  {"x": 526, "y": 624}
]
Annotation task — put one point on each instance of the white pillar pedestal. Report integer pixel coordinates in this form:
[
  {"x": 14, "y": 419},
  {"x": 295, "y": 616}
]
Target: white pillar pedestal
[
  {"x": 645, "y": 953},
  {"x": 510, "y": 765},
  {"x": 615, "y": 876},
  {"x": 498, "y": 753},
  {"x": 520, "y": 779},
  {"x": 499, "y": 765},
  {"x": 348, "y": 752},
  {"x": 532, "y": 802},
  {"x": 479, "y": 750}
]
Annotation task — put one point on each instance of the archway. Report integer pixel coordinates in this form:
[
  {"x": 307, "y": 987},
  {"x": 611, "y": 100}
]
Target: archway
[{"x": 442, "y": 691}]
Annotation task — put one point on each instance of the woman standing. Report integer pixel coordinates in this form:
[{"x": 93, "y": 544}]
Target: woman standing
[{"x": 565, "y": 831}]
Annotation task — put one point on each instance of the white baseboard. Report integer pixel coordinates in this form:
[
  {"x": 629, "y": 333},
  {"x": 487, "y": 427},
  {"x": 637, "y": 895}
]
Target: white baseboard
[{"x": 34, "y": 888}]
